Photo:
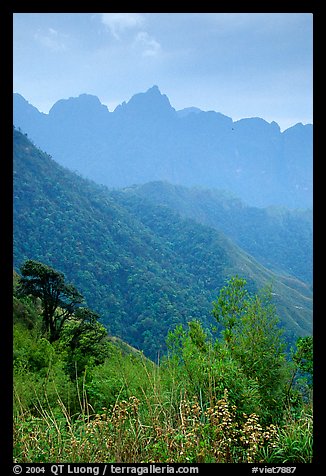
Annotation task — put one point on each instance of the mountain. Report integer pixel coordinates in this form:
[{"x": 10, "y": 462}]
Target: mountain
[
  {"x": 141, "y": 266},
  {"x": 279, "y": 238},
  {"x": 150, "y": 105},
  {"x": 188, "y": 110},
  {"x": 146, "y": 139}
]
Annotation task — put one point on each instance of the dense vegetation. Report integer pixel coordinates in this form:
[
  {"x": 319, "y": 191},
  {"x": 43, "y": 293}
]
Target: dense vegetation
[
  {"x": 225, "y": 395},
  {"x": 140, "y": 266},
  {"x": 279, "y": 238}
]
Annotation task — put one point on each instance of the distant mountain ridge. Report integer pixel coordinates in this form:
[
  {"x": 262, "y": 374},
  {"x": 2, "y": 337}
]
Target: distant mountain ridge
[
  {"x": 279, "y": 238},
  {"x": 146, "y": 139},
  {"x": 141, "y": 266}
]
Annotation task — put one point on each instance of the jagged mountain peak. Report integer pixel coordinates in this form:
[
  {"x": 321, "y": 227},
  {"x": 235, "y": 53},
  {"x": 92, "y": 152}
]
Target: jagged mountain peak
[
  {"x": 259, "y": 124},
  {"x": 84, "y": 103},
  {"x": 149, "y": 103},
  {"x": 299, "y": 128},
  {"x": 146, "y": 139},
  {"x": 188, "y": 110},
  {"x": 21, "y": 104},
  {"x": 17, "y": 97}
]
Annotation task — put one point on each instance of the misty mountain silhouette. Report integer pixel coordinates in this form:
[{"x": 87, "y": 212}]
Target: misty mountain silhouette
[
  {"x": 146, "y": 139},
  {"x": 142, "y": 266}
]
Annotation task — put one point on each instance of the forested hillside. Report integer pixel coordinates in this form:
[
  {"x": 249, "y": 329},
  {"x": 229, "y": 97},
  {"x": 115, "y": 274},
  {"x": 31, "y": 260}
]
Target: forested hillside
[
  {"x": 279, "y": 238},
  {"x": 141, "y": 266}
]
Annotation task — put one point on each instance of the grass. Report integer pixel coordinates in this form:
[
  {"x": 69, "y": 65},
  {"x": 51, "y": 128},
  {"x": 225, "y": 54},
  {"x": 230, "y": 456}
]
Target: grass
[
  {"x": 160, "y": 427},
  {"x": 294, "y": 443}
]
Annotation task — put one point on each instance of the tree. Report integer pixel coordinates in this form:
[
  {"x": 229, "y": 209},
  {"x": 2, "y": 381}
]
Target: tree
[
  {"x": 84, "y": 340},
  {"x": 301, "y": 383},
  {"x": 59, "y": 299},
  {"x": 254, "y": 338},
  {"x": 303, "y": 356},
  {"x": 84, "y": 330},
  {"x": 230, "y": 306}
]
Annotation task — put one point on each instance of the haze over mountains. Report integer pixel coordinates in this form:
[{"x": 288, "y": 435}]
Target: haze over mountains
[
  {"x": 141, "y": 265},
  {"x": 182, "y": 213},
  {"x": 146, "y": 139},
  {"x": 279, "y": 238}
]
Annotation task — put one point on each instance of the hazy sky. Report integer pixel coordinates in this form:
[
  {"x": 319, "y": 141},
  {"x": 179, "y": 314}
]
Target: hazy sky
[{"x": 239, "y": 64}]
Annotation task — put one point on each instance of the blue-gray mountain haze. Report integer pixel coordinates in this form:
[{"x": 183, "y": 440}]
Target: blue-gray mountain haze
[
  {"x": 146, "y": 139},
  {"x": 139, "y": 255}
]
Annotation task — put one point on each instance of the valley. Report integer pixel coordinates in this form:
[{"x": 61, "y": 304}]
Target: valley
[{"x": 140, "y": 265}]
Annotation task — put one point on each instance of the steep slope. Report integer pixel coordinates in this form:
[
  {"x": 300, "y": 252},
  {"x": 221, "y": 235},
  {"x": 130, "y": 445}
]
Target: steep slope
[
  {"x": 142, "y": 267},
  {"x": 145, "y": 139},
  {"x": 279, "y": 238}
]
